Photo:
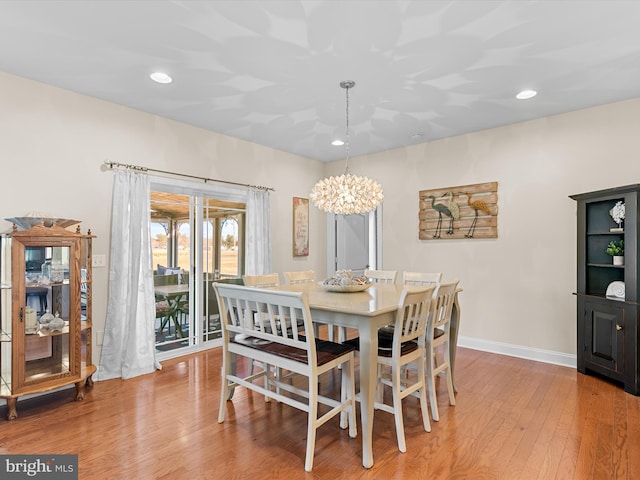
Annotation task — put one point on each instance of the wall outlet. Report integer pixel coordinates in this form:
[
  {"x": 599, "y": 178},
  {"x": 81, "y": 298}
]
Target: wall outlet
[{"x": 98, "y": 261}]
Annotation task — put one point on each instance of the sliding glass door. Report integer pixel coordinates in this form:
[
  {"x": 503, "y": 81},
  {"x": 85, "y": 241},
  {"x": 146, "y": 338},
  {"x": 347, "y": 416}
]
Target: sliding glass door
[{"x": 196, "y": 238}]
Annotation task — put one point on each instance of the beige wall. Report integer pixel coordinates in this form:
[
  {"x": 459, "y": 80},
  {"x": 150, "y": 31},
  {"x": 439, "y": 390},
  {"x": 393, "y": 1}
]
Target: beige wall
[
  {"x": 517, "y": 288},
  {"x": 53, "y": 143}
]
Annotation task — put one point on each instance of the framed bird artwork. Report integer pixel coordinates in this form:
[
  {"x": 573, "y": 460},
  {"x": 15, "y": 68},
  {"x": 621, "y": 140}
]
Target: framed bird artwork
[{"x": 464, "y": 211}]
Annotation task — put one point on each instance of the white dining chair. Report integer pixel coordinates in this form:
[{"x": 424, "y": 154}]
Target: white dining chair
[
  {"x": 406, "y": 347},
  {"x": 381, "y": 276},
  {"x": 299, "y": 353},
  {"x": 421, "y": 278},
  {"x": 438, "y": 335},
  {"x": 309, "y": 276},
  {"x": 268, "y": 280},
  {"x": 306, "y": 276}
]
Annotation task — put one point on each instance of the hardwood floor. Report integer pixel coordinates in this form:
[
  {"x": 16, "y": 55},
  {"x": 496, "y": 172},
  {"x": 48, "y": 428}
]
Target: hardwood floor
[{"x": 514, "y": 419}]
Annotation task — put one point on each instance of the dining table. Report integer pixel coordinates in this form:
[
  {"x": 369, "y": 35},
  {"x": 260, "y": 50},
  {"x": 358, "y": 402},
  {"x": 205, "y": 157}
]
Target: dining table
[
  {"x": 366, "y": 311},
  {"x": 173, "y": 295}
]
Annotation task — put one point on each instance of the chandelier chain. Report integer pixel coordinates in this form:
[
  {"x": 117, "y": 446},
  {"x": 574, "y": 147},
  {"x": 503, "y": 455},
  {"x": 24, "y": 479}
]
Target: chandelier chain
[{"x": 347, "y": 87}]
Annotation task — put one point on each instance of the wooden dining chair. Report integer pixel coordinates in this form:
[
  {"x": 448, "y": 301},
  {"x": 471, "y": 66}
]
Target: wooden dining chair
[
  {"x": 405, "y": 348},
  {"x": 306, "y": 276},
  {"x": 421, "y": 278},
  {"x": 381, "y": 276},
  {"x": 438, "y": 335}
]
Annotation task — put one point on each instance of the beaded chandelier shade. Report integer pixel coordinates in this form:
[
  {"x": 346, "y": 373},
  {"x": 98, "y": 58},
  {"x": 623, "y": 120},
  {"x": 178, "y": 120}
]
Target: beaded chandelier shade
[{"x": 347, "y": 194}]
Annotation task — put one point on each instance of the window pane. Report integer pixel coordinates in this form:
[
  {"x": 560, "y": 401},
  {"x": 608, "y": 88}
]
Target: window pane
[
  {"x": 229, "y": 247},
  {"x": 159, "y": 246},
  {"x": 183, "y": 240}
]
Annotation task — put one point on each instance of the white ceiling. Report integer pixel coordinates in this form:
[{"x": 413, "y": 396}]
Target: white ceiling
[{"x": 268, "y": 71}]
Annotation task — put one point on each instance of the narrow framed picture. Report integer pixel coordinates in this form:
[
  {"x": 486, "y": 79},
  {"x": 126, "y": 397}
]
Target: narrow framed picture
[{"x": 300, "y": 227}]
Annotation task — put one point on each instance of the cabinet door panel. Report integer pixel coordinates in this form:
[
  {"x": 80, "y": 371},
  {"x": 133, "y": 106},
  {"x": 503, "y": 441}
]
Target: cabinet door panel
[{"x": 605, "y": 330}]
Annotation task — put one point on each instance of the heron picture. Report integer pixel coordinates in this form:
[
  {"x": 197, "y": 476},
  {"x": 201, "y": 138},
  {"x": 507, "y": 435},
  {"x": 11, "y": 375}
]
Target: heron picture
[{"x": 464, "y": 211}]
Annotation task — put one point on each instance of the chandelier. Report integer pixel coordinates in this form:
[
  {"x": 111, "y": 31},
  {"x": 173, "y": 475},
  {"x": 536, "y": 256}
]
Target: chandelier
[{"x": 347, "y": 194}]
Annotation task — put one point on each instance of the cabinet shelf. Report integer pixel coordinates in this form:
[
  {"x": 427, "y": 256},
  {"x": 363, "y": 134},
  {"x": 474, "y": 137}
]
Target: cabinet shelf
[
  {"x": 42, "y": 332},
  {"x": 604, "y": 232},
  {"x": 604, "y": 297},
  {"x": 50, "y": 284},
  {"x": 605, "y": 265}
]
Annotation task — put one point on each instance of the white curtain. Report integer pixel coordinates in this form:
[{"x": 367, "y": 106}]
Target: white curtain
[
  {"x": 128, "y": 348},
  {"x": 258, "y": 246}
]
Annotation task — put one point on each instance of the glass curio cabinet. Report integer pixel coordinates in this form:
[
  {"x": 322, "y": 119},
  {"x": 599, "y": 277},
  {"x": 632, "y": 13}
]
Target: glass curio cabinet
[{"x": 45, "y": 312}]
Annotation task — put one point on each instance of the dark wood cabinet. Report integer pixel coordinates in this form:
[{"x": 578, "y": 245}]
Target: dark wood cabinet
[{"x": 607, "y": 327}]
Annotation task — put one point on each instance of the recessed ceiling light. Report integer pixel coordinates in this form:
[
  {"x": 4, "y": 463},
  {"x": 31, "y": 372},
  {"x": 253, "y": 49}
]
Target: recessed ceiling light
[
  {"x": 161, "y": 77},
  {"x": 416, "y": 136},
  {"x": 526, "y": 94},
  {"x": 337, "y": 142}
]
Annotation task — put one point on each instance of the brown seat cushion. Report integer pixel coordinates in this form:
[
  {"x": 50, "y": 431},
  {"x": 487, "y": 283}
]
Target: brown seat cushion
[
  {"x": 385, "y": 342},
  {"x": 325, "y": 350}
]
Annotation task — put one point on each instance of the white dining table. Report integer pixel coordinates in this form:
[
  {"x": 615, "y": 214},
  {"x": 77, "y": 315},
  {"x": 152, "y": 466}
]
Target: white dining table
[{"x": 365, "y": 311}]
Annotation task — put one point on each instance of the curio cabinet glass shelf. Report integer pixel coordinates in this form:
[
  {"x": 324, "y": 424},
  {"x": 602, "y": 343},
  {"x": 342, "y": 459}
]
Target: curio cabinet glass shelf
[{"x": 45, "y": 312}]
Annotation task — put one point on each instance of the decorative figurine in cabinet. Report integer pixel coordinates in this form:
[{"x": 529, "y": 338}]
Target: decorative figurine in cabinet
[
  {"x": 608, "y": 293},
  {"x": 45, "y": 312}
]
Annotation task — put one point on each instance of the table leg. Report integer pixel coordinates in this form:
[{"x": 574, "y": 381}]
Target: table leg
[
  {"x": 177, "y": 325},
  {"x": 368, "y": 362},
  {"x": 453, "y": 338}
]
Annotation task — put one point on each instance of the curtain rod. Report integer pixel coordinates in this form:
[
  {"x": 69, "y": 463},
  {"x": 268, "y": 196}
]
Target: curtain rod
[{"x": 112, "y": 165}]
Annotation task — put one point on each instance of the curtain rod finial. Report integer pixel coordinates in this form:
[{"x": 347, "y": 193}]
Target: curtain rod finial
[{"x": 106, "y": 166}]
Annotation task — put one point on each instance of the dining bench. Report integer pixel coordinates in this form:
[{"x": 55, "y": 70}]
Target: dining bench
[{"x": 284, "y": 353}]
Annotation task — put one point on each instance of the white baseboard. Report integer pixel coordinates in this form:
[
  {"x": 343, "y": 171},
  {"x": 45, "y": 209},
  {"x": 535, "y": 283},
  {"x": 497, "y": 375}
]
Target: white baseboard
[{"x": 529, "y": 353}]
